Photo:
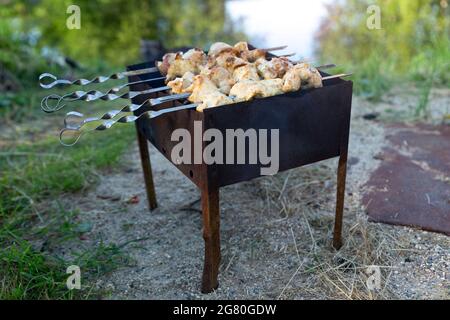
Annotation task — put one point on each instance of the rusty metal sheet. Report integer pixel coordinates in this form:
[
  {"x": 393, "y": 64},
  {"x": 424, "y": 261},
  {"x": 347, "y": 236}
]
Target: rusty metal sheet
[{"x": 412, "y": 185}]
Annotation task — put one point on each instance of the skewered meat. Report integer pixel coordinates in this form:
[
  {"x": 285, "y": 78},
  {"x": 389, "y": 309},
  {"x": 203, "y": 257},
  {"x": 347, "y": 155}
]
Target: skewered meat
[
  {"x": 233, "y": 74},
  {"x": 240, "y": 49},
  {"x": 281, "y": 65},
  {"x": 218, "y": 47},
  {"x": 265, "y": 69},
  {"x": 206, "y": 93},
  {"x": 309, "y": 75},
  {"x": 221, "y": 77},
  {"x": 246, "y": 72},
  {"x": 179, "y": 67},
  {"x": 180, "y": 85},
  {"x": 301, "y": 75},
  {"x": 253, "y": 55},
  {"x": 275, "y": 68},
  {"x": 190, "y": 61},
  {"x": 196, "y": 56},
  {"x": 313, "y": 78},
  {"x": 272, "y": 87},
  {"x": 167, "y": 60},
  {"x": 226, "y": 59},
  {"x": 241, "y": 46},
  {"x": 249, "y": 89},
  {"x": 246, "y": 90},
  {"x": 292, "y": 79},
  {"x": 220, "y": 54}
]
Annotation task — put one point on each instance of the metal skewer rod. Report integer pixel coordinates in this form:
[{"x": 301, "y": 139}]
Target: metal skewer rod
[
  {"x": 94, "y": 95},
  {"x": 110, "y": 95},
  {"x": 113, "y": 113},
  {"x": 275, "y": 48},
  {"x": 151, "y": 102},
  {"x": 286, "y": 55},
  {"x": 134, "y": 107},
  {"x": 43, "y": 78},
  {"x": 302, "y": 61},
  {"x": 341, "y": 75},
  {"x": 107, "y": 124},
  {"x": 326, "y": 66}
]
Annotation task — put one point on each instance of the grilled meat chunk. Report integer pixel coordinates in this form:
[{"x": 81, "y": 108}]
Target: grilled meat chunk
[
  {"x": 221, "y": 77},
  {"x": 218, "y": 47},
  {"x": 206, "y": 93},
  {"x": 248, "y": 89},
  {"x": 180, "y": 85},
  {"x": 246, "y": 72}
]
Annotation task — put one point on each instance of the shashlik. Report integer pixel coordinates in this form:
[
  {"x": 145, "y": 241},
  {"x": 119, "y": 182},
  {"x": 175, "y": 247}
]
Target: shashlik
[
  {"x": 230, "y": 74},
  {"x": 205, "y": 92}
]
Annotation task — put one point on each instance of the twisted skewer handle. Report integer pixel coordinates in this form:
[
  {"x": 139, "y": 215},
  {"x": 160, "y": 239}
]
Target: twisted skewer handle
[
  {"x": 72, "y": 119},
  {"x": 45, "y": 77},
  {"x": 74, "y": 135},
  {"x": 93, "y": 95}
]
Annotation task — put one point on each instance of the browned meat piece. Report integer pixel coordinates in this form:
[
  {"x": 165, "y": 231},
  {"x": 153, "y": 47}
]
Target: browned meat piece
[
  {"x": 281, "y": 66},
  {"x": 221, "y": 77},
  {"x": 206, "y": 94},
  {"x": 249, "y": 89},
  {"x": 180, "y": 85},
  {"x": 253, "y": 55},
  {"x": 167, "y": 59},
  {"x": 218, "y": 47},
  {"x": 246, "y": 72}
]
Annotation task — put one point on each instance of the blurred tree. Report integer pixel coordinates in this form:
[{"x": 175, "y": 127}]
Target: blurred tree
[
  {"x": 111, "y": 29},
  {"x": 414, "y": 35}
]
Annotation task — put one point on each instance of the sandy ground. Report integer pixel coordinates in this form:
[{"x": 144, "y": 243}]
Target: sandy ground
[{"x": 275, "y": 231}]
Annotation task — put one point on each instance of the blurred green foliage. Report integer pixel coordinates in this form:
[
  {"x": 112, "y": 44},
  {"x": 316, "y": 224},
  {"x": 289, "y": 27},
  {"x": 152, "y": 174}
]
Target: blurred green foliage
[
  {"x": 34, "y": 37},
  {"x": 111, "y": 30},
  {"x": 412, "y": 44}
]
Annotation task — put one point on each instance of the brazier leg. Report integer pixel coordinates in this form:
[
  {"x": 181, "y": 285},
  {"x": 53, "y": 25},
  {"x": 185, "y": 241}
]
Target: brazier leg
[
  {"x": 147, "y": 169},
  {"x": 211, "y": 235},
  {"x": 340, "y": 194}
]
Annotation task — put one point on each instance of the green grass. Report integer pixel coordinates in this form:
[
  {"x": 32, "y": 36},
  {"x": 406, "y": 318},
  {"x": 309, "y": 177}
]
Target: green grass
[
  {"x": 31, "y": 274},
  {"x": 32, "y": 175},
  {"x": 372, "y": 77},
  {"x": 375, "y": 75}
]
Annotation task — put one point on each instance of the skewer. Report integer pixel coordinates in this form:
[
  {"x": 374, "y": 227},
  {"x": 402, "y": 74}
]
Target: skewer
[
  {"x": 326, "y": 66},
  {"x": 275, "y": 48},
  {"x": 109, "y": 121},
  {"x": 109, "y": 95},
  {"x": 94, "y": 95},
  {"x": 111, "y": 114},
  {"x": 151, "y": 102},
  {"x": 84, "y": 82},
  {"x": 115, "y": 76},
  {"x": 107, "y": 124},
  {"x": 286, "y": 55},
  {"x": 134, "y": 107},
  {"x": 341, "y": 75}
]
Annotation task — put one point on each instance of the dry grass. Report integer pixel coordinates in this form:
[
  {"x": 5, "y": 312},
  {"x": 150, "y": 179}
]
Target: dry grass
[{"x": 308, "y": 195}]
